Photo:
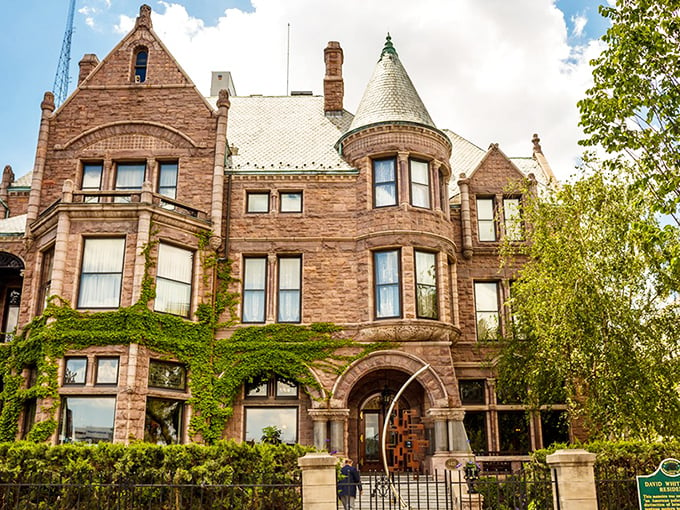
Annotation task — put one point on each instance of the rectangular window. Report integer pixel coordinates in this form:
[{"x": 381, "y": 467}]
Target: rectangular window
[
  {"x": 11, "y": 317},
  {"x": 257, "y": 202},
  {"x": 75, "y": 371},
  {"x": 167, "y": 375},
  {"x": 387, "y": 284},
  {"x": 257, "y": 389},
  {"x": 472, "y": 391},
  {"x": 486, "y": 227},
  {"x": 101, "y": 273},
  {"x": 420, "y": 183},
  {"x": 554, "y": 427},
  {"x": 475, "y": 426},
  {"x": 167, "y": 179},
  {"x": 45, "y": 277},
  {"x": 289, "y": 298},
  {"x": 254, "y": 289},
  {"x": 512, "y": 216},
  {"x": 486, "y": 308},
  {"x": 384, "y": 182},
  {"x": 285, "y": 388},
  {"x": 173, "y": 280},
  {"x": 107, "y": 371},
  {"x": 513, "y": 432},
  {"x": 285, "y": 419},
  {"x": 87, "y": 419},
  {"x": 92, "y": 179},
  {"x": 426, "y": 285},
  {"x": 291, "y": 201},
  {"x": 163, "y": 421}
]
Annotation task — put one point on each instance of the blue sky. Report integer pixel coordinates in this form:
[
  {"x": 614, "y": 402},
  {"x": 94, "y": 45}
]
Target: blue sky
[{"x": 464, "y": 95}]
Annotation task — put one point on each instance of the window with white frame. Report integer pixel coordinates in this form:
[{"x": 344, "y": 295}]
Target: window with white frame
[
  {"x": 420, "y": 183},
  {"x": 289, "y": 295},
  {"x": 384, "y": 182},
  {"x": 254, "y": 289},
  {"x": 486, "y": 225},
  {"x": 173, "y": 280},
  {"x": 101, "y": 273},
  {"x": 426, "y": 284},
  {"x": 487, "y": 310},
  {"x": 512, "y": 218},
  {"x": 387, "y": 284}
]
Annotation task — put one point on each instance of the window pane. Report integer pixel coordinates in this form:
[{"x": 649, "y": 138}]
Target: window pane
[
  {"x": 75, "y": 371},
  {"x": 258, "y": 202},
  {"x": 173, "y": 297},
  {"x": 387, "y": 290},
  {"x": 472, "y": 391},
  {"x": 175, "y": 263},
  {"x": 107, "y": 371},
  {"x": 486, "y": 306},
  {"x": 173, "y": 281},
  {"x": 167, "y": 179},
  {"x": 285, "y": 388},
  {"x": 103, "y": 255},
  {"x": 291, "y": 202},
  {"x": 130, "y": 175},
  {"x": 283, "y": 418},
  {"x": 513, "y": 432},
  {"x": 384, "y": 182},
  {"x": 167, "y": 375},
  {"x": 425, "y": 268},
  {"x": 289, "y": 273},
  {"x": 485, "y": 219},
  {"x": 256, "y": 389},
  {"x": 253, "y": 298},
  {"x": 87, "y": 419},
  {"x": 513, "y": 218},
  {"x": 162, "y": 424},
  {"x": 555, "y": 427},
  {"x": 475, "y": 427},
  {"x": 420, "y": 184},
  {"x": 92, "y": 175}
]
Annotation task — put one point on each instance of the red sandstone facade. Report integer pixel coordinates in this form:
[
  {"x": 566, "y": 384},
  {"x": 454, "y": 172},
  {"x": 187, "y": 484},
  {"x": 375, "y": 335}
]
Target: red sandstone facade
[{"x": 375, "y": 222}]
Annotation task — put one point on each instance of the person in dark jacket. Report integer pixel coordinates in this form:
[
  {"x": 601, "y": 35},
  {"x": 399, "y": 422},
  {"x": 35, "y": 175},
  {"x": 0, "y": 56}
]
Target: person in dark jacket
[{"x": 348, "y": 485}]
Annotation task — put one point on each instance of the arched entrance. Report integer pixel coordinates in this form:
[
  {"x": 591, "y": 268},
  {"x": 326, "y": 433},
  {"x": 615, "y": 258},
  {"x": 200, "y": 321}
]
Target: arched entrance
[
  {"x": 407, "y": 443},
  {"x": 11, "y": 281}
]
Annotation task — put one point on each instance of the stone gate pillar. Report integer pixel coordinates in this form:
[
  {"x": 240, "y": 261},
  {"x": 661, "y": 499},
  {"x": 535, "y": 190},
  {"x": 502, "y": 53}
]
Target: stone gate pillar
[{"x": 574, "y": 472}]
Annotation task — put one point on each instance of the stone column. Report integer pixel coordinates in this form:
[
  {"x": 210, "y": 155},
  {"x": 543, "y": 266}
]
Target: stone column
[
  {"x": 320, "y": 420},
  {"x": 47, "y": 107},
  {"x": 217, "y": 201},
  {"x": 464, "y": 186},
  {"x": 403, "y": 181},
  {"x": 573, "y": 470},
  {"x": 318, "y": 482},
  {"x": 338, "y": 434}
]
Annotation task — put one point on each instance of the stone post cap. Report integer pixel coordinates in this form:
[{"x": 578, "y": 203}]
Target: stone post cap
[
  {"x": 317, "y": 461},
  {"x": 570, "y": 457}
]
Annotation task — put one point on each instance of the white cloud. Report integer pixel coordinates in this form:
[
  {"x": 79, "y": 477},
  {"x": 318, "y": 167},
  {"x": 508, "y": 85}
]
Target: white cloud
[
  {"x": 579, "y": 21},
  {"x": 492, "y": 71}
]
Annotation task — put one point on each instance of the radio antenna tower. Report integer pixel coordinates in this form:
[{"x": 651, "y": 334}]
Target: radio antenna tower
[{"x": 62, "y": 78}]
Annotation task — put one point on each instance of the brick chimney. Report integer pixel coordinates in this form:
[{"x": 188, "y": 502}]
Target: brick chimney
[
  {"x": 333, "y": 85},
  {"x": 87, "y": 64}
]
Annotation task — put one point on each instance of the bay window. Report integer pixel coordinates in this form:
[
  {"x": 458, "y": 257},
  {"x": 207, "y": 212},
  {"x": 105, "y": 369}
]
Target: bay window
[
  {"x": 387, "y": 284},
  {"x": 420, "y": 183},
  {"x": 384, "y": 182},
  {"x": 426, "y": 285},
  {"x": 101, "y": 273},
  {"x": 173, "y": 280}
]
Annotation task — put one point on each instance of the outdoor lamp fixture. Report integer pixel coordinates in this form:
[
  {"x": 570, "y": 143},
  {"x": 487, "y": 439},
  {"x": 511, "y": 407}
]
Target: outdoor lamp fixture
[{"x": 386, "y": 396}]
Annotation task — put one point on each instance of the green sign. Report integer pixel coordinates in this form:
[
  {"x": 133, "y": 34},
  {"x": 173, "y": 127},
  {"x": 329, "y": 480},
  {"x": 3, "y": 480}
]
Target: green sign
[{"x": 661, "y": 489}]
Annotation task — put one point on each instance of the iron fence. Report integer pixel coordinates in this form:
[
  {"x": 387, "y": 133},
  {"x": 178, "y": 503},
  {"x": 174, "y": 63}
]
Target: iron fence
[
  {"x": 616, "y": 494},
  {"x": 448, "y": 490},
  {"x": 93, "y": 495}
]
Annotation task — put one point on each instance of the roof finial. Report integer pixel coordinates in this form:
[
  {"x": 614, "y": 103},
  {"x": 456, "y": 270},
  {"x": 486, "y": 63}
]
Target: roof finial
[
  {"x": 389, "y": 47},
  {"x": 144, "y": 18},
  {"x": 537, "y": 146}
]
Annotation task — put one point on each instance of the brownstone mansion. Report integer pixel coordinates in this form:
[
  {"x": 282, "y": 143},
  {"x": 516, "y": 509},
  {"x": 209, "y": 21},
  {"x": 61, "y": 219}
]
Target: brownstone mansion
[{"x": 379, "y": 222}]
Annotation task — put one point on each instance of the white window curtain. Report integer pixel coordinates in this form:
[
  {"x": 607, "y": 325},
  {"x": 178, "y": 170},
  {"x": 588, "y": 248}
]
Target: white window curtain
[
  {"x": 385, "y": 182},
  {"x": 173, "y": 280},
  {"x": 289, "y": 289},
  {"x": 388, "y": 303},
  {"x": 167, "y": 180},
  {"x": 101, "y": 273},
  {"x": 420, "y": 184},
  {"x": 130, "y": 175},
  {"x": 254, "y": 278}
]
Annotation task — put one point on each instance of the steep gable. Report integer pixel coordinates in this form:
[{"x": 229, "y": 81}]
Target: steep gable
[{"x": 495, "y": 171}]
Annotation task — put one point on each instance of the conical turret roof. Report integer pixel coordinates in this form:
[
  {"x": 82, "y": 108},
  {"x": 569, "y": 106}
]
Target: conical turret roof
[{"x": 390, "y": 95}]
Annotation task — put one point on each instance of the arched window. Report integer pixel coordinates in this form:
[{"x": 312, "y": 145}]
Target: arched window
[{"x": 141, "y": 58}]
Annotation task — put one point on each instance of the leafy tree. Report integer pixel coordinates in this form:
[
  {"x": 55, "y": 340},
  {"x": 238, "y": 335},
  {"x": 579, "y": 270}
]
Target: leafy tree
[
  {"x": 593, "y": 314},
  {"x": 633, "y": 108}
]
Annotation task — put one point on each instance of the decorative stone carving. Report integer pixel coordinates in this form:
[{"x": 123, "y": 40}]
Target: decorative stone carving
[{"x": 405, "y": 331}]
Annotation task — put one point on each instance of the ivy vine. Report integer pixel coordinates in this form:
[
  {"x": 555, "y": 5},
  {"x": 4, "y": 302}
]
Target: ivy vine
[{"x": 218, "y": 367}]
